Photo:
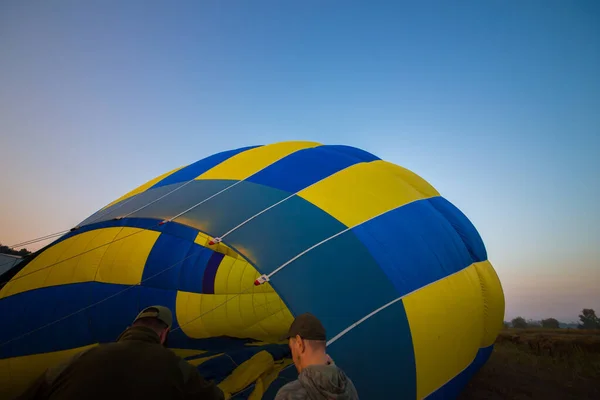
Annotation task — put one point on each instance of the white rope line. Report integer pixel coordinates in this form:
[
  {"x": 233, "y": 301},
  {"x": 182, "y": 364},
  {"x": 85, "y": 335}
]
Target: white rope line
[
  {"x": 254, "y": 216},
  {"x": 155, "y": 200},
  {"x": 39, "y": 239},
  {"x": 224, "y": 190},
  {"x": 366, "y": 317},
  {"x": 202, "y": 202},
  {"x": 363, "y": 319},
  {"x": 218, "y": 239},
  {"x": 267, "y": 277},
  {"x": 106, "y": 210}
]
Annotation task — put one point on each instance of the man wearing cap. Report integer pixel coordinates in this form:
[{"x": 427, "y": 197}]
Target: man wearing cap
[
  {"x": 138, "y": 365},
  {"x": 318, "y": 376}
]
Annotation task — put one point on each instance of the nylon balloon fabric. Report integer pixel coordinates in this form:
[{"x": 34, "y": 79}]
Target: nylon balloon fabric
[{"x": 240, "y": 242}]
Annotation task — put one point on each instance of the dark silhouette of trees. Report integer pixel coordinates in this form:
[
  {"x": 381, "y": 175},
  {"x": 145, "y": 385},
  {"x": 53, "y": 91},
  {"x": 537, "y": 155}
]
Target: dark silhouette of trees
[
  {"x": 519, "y": 322},
  {"x": 7, "y": 250},
  {"x": 588, "y": 319},
  {"x": 550, "y": 323}
]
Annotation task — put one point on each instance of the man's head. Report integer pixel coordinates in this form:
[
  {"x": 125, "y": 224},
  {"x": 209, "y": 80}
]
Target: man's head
[
  {"x": 157, "y": 318},
  {"x": 308, "y": 341}
]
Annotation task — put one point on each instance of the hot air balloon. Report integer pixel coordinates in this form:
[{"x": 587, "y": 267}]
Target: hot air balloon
[{"x": 240, "y": 242}]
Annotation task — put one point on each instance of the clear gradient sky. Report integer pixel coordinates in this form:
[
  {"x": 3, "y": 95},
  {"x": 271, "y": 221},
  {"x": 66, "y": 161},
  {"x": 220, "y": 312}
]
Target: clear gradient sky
[{"x": 495, "y": 103}]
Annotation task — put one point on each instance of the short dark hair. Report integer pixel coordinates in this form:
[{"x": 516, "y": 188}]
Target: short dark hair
[{"x": 316, "y": 344}]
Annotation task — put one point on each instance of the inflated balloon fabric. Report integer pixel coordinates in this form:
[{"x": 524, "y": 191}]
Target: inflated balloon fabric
[{"x": 397, "y": 274}]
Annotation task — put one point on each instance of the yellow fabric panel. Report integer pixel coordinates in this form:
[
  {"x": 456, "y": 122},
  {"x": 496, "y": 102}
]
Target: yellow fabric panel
[
  {"x": 94, "y": 255},
  {"x": 414, "y": 180},
  {"x": 234, "y": 278},
  {"x": 235, "y": 275},
  {"x": 183, "y": 353},
  {"x": 124, "y": 260},
  {"x": 446, "y": 319},
  {"x": 78, "y": 267},
  {"x": 47, "y": 269},
  {"x": 207, "y": 315},
  {"x": 265, "y": 380},
  {"x": 24, "y": 370},
  {"x": 360, "y": 192},
  {"x": 247, "y": 163},
  {"x": 247, "y": 373},
  {"x": 233, "y": 310},
  {"x": 223, "y": 271},
  {"x": 202, "y": 239},
  {"x": 271, "y": 328},
  {"x": 144, "y": 187},
  {"x": 493, "y": 300},
  {"x": 197, "y": 361}
]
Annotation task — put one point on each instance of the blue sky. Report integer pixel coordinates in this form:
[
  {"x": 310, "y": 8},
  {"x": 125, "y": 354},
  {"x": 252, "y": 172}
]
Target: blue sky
[{"x": 495, "y": 103}]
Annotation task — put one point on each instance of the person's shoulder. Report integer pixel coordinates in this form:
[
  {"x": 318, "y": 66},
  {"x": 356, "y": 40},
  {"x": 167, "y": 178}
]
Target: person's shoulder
[{"x": 291, "y": 391}]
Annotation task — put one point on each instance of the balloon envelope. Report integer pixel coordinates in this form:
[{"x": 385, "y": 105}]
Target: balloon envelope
[{"x": 397, "y": 274}]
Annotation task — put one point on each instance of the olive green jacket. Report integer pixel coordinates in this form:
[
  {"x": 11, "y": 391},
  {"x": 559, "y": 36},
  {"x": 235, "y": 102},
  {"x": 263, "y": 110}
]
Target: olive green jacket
[{"x": 137, "y": 366}]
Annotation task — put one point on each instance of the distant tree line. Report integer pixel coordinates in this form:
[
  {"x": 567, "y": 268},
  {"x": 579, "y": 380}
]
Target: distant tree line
[
  {"x": 7, "y": 250},
  {"x": 587, "y": 318}
]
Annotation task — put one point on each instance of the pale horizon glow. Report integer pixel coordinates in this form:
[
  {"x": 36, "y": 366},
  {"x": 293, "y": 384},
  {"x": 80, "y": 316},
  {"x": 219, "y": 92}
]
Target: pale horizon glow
[{"x": 495, "y": 104}]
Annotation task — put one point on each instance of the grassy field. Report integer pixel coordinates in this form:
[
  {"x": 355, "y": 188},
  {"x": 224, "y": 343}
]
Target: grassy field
[{"x": 540, "y": 364}]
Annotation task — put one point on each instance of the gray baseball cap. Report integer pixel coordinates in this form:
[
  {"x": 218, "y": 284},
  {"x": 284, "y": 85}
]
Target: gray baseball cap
[{"x": 161, "y": 313}]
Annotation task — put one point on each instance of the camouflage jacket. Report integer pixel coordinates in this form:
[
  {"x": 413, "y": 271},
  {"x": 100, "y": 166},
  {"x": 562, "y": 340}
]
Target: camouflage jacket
[{"x": 316, "y": 382}]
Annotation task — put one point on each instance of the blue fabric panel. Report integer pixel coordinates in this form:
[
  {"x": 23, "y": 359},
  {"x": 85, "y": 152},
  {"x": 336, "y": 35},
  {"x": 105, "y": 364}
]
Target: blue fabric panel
[
  {"x": 210, "y": 273},
  {"x": 281, "y": 233},
  {"x": 230, "y": 208},
  {"x": 414, "y": 245},
  {"x": 196, "y": 169},
  {"x": 27, "y": 312},
  {"x": 303, "y": 168},
  {"x": 116, "y": 309},
  {"x": 463, "y": 227},
  {"x": 339, "y": 282},
  {"x": 217, "y": 368},
  {"x": 192, "y": 269},
  {"x": 111, "y": 309},
  {"x": 385, "y": 340},
  {"x": 452, "y": 389},
  {"x": 65, "y": 316},
  {"x": 163, "y": 265},
  {"x": 360, "y": 154},
  {"x": 184, "y": 198}
]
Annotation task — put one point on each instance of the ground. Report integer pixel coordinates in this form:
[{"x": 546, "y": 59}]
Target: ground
[{"x": 540, "y": 364}]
